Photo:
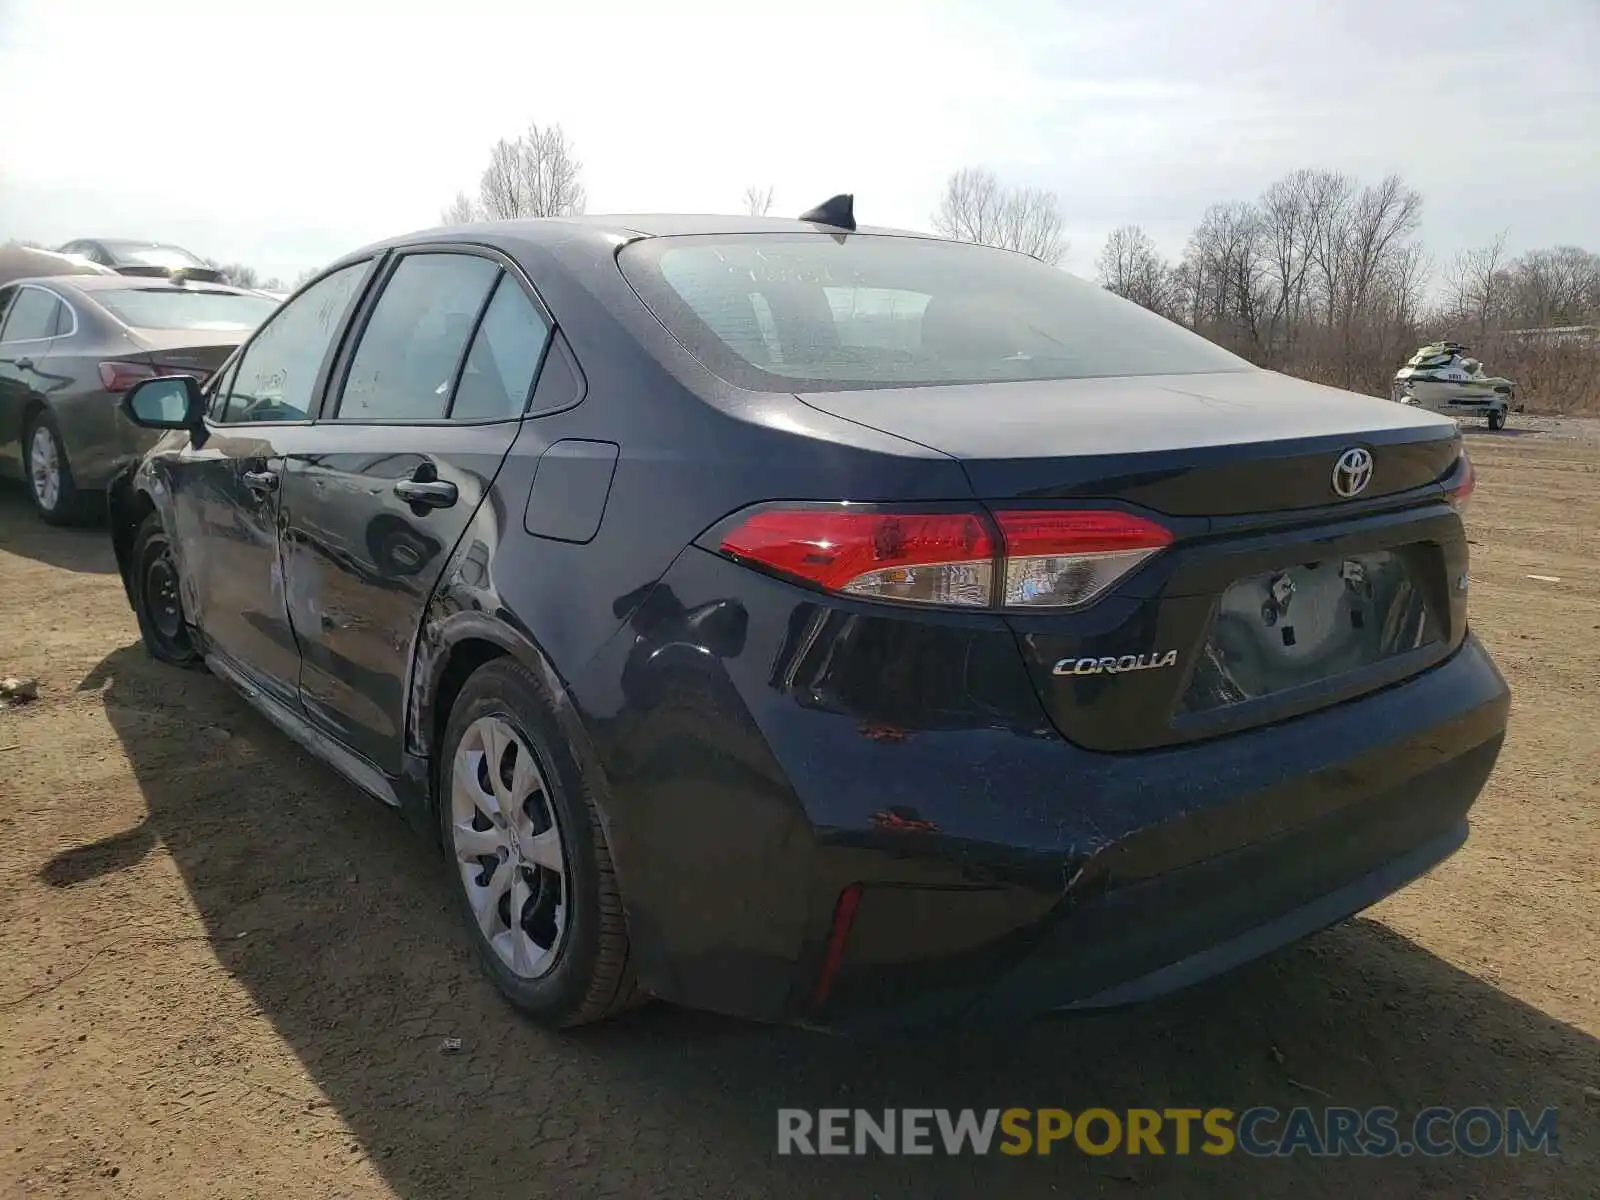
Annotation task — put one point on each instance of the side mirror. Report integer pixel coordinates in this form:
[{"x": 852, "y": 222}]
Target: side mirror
[{"x": 170, "y": 402}]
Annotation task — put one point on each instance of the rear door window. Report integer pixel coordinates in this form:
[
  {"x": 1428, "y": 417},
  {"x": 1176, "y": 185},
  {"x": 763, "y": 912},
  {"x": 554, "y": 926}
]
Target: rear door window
[
  {"x": 410, "y": 354},
  {"x": 31, "y": 317},
  {"x": 504, "y": 359}
]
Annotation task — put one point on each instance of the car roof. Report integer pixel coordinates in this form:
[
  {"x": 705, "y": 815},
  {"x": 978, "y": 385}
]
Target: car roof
[
  {"x": 608, "y": 230},
  {"x": 132, "y": 244}
]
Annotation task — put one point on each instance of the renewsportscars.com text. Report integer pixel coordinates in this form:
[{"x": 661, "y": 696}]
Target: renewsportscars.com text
[{"x": 1261, "y": 1132}]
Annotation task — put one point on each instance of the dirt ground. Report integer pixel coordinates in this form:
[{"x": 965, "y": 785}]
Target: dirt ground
[{"x": 225, "y": 973}]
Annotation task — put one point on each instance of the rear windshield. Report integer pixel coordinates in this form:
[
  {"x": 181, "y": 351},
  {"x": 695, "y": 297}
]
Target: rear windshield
[
  {"x": 185, "y": 308},
  {"x": 824, "y": 312},
  {"x": 167, "y": 257}
]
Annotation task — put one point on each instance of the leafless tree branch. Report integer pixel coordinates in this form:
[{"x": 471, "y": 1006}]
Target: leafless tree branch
[
  {"x": 757, "y": 200},
  {"x": 976, "y": 208}
]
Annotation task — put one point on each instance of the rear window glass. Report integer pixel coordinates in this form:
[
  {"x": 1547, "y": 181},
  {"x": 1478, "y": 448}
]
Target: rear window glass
[
  {"x": 824, "y": 312},
  {"x": 167, "y": 257},
  {"x": 186, "y": 308}
]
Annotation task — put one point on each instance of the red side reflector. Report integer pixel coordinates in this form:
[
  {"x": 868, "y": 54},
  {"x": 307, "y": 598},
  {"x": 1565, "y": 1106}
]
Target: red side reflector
[
  {"x": 939, "y": 558},
  {"x": 844, "y": 916},
  {"x": 120, "y": 376}
]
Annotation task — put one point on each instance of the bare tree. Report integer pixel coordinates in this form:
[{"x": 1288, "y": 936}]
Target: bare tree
[
  {"x": 550, "y": 174},
  {"x": 463, "y": 210},
  {"x": 1324, "y": 277},
  {"x": 976, "y": 208},
  {"x": 1327, "y": 195},
  {"x": 1479, "y": 284},
  {"x": 1408, "y": 285},
  {"x": 1132, "y": 267},
  {"x": 500, "y": 193},
  {"x": 1288, "y": 209},
  {"x": 758, "y": 200},
  {"x": 1381, "y": 219},
  {"x": 1555, "y": 287},
  {"x": 1230, "y": 271},
  {"x": 534, "y": 175}
]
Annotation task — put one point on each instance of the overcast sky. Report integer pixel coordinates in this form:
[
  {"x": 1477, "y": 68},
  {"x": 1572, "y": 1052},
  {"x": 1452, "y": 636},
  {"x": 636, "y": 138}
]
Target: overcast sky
[{"x": 282, "y": 134}]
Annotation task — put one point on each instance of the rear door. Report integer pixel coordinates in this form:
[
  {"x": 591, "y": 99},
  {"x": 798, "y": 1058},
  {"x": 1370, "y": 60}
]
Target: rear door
[
  {"x": 30, "y": 318},
  {"x": 428, "y": 402},
  {"x": 226, "y": 484}
]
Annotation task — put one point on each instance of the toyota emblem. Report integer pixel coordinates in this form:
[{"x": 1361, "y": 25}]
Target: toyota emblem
[{"x": 1352, "y": 473}]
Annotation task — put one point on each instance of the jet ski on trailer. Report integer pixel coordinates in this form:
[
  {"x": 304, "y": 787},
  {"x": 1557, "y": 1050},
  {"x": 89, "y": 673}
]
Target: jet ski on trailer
[{"x": 1443, "y": 378}]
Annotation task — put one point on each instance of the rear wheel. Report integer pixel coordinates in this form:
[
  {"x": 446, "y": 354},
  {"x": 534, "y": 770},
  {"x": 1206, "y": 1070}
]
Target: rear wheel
[
  {"x": 157, "y": 600},
  {"x": 529, "y": 859},
  {"x": 55, "y": 497},
  {"x": 1497, "y": 418}
]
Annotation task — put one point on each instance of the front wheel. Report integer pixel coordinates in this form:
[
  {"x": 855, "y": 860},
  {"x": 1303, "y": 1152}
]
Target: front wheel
[
  {"x": 157, "y": 600},
  {"x": 528, "y": 856},
  {"x": 1497, "y": 418}
]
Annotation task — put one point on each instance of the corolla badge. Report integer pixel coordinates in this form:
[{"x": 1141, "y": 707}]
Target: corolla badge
[
  {"x": 1352, "y": 472},
  {"x": 1113, "y": 665}
]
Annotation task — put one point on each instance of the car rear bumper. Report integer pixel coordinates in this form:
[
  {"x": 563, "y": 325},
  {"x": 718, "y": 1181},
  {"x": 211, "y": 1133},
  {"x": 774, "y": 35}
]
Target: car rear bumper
[
  {"x": 996, "y": 869},
  {"x": 1136, "y": 942}
]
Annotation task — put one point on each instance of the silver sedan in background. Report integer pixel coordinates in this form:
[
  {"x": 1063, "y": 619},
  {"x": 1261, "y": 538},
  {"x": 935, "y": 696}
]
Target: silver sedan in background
[{"x": 70, "y": 345}]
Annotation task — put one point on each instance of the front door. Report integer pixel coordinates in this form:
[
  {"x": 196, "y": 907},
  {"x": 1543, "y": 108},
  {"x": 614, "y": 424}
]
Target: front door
[
  {"x": 429, "y": 401},
  {"x": 227, "y": 485}
]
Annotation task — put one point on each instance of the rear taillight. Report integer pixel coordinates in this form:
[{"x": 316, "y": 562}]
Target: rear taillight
[
  {"x": 120, "y": 376},
  {"x": 928, "y": 558},
  {"x": 1032, "y": 559},
  {"x": 1059, "y": 559},
  {"x": 1468, "y": 480}
]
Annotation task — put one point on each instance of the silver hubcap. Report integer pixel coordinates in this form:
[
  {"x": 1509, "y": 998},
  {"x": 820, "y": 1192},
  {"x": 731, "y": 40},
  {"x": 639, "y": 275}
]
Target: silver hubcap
[
  {"x": 507, "y": 841},
  {"x": 44, "y": 468}
]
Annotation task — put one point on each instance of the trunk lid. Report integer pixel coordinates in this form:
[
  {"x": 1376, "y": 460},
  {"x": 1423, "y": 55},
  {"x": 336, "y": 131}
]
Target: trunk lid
[
  {"x": 188, "y": 351},
  {"x": 1279, "y": 595},
  {"x": 1221, "y": 444}
]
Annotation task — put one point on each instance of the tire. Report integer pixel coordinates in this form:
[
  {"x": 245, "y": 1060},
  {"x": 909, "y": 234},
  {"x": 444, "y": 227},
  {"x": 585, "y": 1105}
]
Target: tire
[
  {"x": 55, "y": 497},
  {"x": 574, "y": 966},
  {"x": 157, "y": 598},
  {"x": 1497, "y": 418}
]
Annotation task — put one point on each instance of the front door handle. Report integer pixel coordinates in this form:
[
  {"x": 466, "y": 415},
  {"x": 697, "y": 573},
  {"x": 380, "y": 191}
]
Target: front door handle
[
  {"x": 261, "y": 482},
  {"x": 426, "y": 493}
]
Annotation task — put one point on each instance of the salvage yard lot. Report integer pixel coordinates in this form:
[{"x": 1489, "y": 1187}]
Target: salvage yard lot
[{"x": 226, "y": 973}]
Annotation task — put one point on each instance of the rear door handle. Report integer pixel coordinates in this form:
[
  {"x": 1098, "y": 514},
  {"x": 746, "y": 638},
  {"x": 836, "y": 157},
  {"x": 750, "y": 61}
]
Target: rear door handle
[
  {"x": 261, "y": 482},
  {"x": 23, "y": 364},
  {"x": 431, "y": 493}
]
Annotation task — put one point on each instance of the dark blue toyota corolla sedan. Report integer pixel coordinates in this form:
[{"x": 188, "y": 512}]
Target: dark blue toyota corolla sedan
[{"x": 824, "y": 624}]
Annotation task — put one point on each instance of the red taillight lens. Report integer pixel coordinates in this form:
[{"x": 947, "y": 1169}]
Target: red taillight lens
[
  {"x": 1465, "y": 486},
  {"x": 1040, "y": 559},
  {"x": 120, "y": 376},
  {"x": 932, "y": 558},
  {"x": 1062, "y": 559}
]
